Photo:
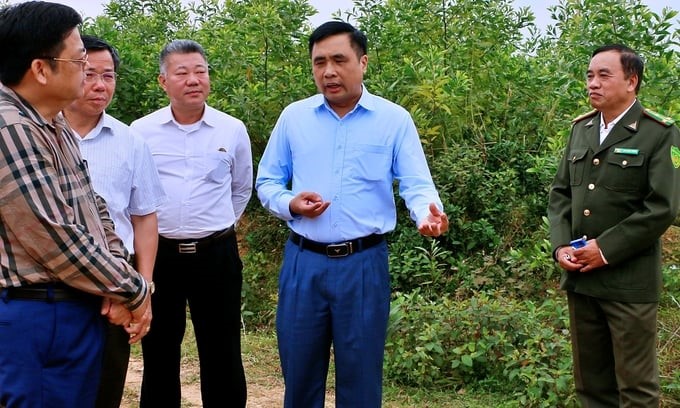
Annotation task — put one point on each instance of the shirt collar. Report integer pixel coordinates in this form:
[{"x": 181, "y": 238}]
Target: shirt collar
[
  {"x": 366, "y": 101},
  {"x": 616, "y": 119},
  {"x": 103, "y": 123},
  {"x": 210, "y": 116},
  {"x": 27, "y": 110}
]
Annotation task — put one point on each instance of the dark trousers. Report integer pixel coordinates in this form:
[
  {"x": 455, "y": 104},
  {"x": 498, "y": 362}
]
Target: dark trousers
[
  {"x": 340, "y": 301},
  {"x": 210, "y": 281},
  {"x": 114, "y": 367},
  {"x": 50, "y": 353},
  {"x": 614, "y": 351}
]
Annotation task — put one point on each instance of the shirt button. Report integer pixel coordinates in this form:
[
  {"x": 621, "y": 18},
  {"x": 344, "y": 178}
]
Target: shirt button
[
  {"x": 596, "y": 162},
  {"x": 586, "y": 212},
  {"x": 591, "y": 186},
  {"x": 625, "y": 162}
]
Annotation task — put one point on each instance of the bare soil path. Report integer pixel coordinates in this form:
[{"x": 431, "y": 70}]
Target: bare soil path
[{"x": 260, "y": 360}]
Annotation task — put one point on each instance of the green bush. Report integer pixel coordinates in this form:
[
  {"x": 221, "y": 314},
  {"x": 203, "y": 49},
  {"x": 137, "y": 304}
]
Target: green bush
[{"x": 497, "y": 344}]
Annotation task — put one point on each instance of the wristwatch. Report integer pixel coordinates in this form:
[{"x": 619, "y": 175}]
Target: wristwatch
[{"x": 152, "y": 286}]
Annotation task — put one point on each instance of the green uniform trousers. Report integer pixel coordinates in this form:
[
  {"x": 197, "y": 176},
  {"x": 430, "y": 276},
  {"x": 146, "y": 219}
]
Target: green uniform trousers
[{"x": 614, "y": 351}]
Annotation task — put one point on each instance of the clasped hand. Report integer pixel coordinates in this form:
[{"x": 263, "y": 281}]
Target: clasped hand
[
  {"x": 583, "y": 259},
  {"x": 137, "y": 322}
]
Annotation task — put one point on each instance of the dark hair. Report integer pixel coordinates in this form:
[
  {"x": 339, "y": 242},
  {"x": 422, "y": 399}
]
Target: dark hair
[
  {"x": 630, "y": 61},
  {"x": 330, "y": 28},
  {"x": 180, "y": 47},
  {"x": 93, "y": 43},
  {"x": 31, "y": 30}
]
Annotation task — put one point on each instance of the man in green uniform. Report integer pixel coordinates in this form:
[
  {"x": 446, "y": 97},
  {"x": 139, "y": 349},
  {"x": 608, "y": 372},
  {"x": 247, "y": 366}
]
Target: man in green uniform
[{"x": 618, "y": 185}]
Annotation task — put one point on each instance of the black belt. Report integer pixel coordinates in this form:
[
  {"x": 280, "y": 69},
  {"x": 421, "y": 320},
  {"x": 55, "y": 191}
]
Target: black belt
[
  {"x": 338, "y": 249},
  {"x": 191, "y": 246},
  {"x": 50, "y": 292}
]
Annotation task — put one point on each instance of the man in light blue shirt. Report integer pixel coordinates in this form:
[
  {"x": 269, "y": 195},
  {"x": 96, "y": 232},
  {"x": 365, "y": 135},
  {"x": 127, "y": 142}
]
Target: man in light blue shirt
[
  {"x": 124, "y": 174},
  {"x": 340, "y": 151}
]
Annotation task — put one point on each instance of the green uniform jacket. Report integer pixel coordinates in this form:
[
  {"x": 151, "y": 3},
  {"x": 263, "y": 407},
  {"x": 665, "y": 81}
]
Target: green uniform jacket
[{"x": 625, "y": 193}]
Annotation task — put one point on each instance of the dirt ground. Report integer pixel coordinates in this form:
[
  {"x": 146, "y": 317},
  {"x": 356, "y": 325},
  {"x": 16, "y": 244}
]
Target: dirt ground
[{"x": 264, "y": 390}]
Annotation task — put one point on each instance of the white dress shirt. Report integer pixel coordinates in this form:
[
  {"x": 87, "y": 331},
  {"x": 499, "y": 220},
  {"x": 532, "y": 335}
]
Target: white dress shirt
[
  {"x": 123, "y": 173},
  {"x": 206, "y": 170}
]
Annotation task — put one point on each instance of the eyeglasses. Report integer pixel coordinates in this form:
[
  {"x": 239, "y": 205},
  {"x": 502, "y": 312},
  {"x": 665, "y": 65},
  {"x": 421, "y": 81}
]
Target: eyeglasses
[
  {"x": 82, "y": 61},
  {"x": 107, "y": 77}
]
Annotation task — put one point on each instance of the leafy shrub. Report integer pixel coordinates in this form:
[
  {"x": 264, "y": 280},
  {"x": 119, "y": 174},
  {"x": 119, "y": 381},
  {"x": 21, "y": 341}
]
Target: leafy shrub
[
  {"x": 261, "y": 248},
  {"x": 519, "y": 348}
]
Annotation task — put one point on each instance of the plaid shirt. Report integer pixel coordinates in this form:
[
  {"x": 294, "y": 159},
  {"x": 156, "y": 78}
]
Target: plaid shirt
[{"x": 53, "y": 227}]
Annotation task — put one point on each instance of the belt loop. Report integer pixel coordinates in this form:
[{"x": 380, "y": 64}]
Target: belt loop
[
  {"x": 360, "y": 245},
  {"x": 3, "y": 294},
  {"x": 302, "y": 243}
]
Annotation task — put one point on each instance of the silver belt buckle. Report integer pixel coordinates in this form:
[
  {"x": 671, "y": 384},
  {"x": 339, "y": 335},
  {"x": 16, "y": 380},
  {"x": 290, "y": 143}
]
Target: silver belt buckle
[
  {"x": 339, "y": 250},
  {"x": 187, "y": 248}
]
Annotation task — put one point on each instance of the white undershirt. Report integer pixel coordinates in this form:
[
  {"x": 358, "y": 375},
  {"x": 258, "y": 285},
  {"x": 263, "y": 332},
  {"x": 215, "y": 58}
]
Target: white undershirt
[{"x": 605, "y": 129}]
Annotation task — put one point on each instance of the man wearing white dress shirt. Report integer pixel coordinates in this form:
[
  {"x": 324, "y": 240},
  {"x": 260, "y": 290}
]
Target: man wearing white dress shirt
[
  {"x": 204, "y": 160},
  {"x": 123, "y": 173}
]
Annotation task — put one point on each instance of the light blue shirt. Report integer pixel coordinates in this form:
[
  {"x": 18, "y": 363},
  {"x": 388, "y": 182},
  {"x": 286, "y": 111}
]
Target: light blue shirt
[
  {"x": 206, "y": 169},
  {"x": 351, "y": 162},
  {"x": 123, "y": 173}
]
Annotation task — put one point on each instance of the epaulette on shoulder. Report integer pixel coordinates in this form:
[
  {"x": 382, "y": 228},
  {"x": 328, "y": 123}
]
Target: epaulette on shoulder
[
  {"x": 584, "y": 116},
  {"x": 664, "y": 120}
]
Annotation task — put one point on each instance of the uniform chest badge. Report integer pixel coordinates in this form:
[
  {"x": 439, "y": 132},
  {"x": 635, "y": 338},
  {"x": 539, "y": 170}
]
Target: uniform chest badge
[
  {"x": 675, "y": 156},
  {"x": 626, "y": 151}
]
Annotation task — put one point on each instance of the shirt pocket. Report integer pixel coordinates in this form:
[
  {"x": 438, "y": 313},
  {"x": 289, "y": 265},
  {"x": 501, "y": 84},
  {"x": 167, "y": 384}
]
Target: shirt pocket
[
  {"x": 218, "y": 165},
  {"x": 577, "y": 165},
  {"x": 370, "y": 162},
  {"x": 625, "y": 173}
]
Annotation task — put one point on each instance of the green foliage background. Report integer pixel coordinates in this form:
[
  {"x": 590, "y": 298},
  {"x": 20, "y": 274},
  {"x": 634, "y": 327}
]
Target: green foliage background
[{"x": 492, "y": 97}]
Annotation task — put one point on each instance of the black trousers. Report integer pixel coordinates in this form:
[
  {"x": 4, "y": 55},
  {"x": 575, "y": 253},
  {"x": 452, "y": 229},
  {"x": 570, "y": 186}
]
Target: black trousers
[
  {"x": 114, "y": 363},
  {"x": 210, "y": 281},
  {"x": 114, "y": 367}
]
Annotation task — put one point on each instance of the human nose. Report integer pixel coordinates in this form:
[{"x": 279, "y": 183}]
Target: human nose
[
  {"x": 329, "y": 70},
  {"x": 193, "y": 78},
  {"x": 98, "y": 83}
]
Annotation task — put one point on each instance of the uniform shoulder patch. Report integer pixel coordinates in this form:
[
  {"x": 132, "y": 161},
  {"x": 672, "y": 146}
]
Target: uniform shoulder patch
[
  {"x": 584, "y": 116},
  {"x": 675, "y": 156},
  {"x": 664, "y": 120}
]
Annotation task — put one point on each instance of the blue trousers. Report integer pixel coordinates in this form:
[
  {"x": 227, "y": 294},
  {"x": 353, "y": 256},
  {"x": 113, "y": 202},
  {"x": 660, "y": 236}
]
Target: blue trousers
[
  {"x": 340, "y": 301},
  {"x": 50, "y": 353}
]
